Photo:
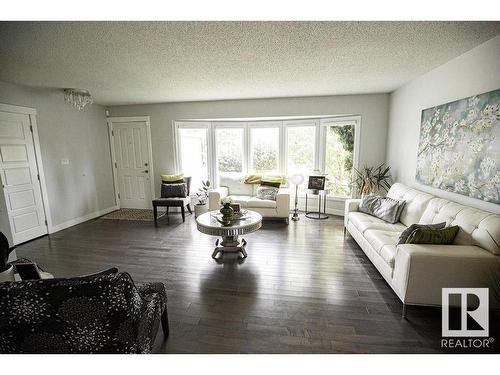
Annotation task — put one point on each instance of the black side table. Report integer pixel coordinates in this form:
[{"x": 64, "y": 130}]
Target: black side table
[{"x": 322, "y": 195}]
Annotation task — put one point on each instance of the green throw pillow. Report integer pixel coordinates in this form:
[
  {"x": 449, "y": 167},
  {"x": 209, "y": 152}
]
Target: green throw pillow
[{"x": 433, "y": 236}]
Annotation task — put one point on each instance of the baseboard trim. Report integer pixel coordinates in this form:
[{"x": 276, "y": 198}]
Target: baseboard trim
[
  {"x": 81, "y": 219},
  {"x": 335, "y": 212}
]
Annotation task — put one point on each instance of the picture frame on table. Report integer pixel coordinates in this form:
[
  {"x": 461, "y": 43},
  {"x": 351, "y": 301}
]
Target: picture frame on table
[{"x": 316, "y": 183}]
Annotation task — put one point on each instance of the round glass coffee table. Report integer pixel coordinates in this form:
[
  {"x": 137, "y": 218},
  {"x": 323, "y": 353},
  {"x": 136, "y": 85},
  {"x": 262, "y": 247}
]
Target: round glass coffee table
[{"x": 250, "y": 222}]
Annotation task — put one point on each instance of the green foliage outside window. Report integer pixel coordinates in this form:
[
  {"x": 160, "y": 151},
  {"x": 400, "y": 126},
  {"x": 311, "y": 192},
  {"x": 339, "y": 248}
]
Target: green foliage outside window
[
  {"x": 339, "y": 159},
  {"x": 265, "y": 158},
  {"x": 229, "y": 150}
]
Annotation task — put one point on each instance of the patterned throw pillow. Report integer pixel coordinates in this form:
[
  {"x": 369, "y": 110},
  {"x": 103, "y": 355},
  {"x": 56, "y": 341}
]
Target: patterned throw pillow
[
  {"x": 408, "y": 231},
  {"x": 267, "y": 192},
  {"x": 174, "y": 190},
  {"x": 433, "y": 236},
  {"x": 384, "y": 208}
]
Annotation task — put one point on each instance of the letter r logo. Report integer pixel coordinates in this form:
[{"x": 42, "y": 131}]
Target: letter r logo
[{"x": 473, "y": 321}]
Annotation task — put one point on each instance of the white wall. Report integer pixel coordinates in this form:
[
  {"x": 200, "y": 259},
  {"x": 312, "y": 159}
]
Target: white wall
[
  {"x": 372, "y": 108},
  {"x": 85, "y": 186},
  {"x": 475, "y": 72}
]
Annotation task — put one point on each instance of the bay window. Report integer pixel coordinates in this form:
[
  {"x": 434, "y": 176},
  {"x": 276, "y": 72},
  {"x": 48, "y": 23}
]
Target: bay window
[{"x": 309, "y": 146}]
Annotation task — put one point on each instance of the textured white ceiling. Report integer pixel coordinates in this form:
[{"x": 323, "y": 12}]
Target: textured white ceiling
[{"x": 147, "y": 62}]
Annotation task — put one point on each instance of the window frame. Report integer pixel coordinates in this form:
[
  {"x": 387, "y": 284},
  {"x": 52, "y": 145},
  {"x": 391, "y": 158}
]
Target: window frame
[
  {"x": 301, "y": 124},
  {"x": 229, "y": 125},
  {"x": 340, "y": 121},
  {"x": 178, "y": 125},
  {"x": 265, "y": 125},
  {"x": 320, "y": 123}
]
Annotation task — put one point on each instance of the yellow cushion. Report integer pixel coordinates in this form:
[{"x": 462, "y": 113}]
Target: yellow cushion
[
  {"x": 172, "y": 177},
  {"x": 258, "y": 178},
  {"x": 252, "y": 179}
]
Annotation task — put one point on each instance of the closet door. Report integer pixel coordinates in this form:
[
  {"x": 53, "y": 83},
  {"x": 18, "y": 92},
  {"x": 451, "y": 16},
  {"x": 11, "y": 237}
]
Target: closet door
[{"x": 20, "y": 180}]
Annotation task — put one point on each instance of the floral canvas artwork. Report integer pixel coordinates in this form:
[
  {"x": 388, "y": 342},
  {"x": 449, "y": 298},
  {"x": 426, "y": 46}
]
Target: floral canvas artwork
[{"x": 459, "y": 149}]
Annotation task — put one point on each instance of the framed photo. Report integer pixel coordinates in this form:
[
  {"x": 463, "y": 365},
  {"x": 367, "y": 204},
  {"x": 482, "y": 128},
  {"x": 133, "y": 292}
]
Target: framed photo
[{"x": 316, "y": 182}]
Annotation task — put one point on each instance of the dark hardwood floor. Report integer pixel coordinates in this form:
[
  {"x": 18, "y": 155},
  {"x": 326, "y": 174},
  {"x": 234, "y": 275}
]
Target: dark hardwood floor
[{"x": 304, "y": 288}]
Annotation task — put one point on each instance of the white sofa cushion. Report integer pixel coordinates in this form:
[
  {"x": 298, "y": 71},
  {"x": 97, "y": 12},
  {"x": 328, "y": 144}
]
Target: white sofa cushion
[
  {"x": 252, "y": 202},
  {"x": 235, "y": 185},
  {"x": 260, "y": 203},
  {"x": 416, "y": 202},
  {"x": 363, "y": 222},
  {"x": 379, "y": 238},
  {"x": 384, "y": 243},
  {"x": 241, "y": 199},
  {"x": 477, "y": 227}
]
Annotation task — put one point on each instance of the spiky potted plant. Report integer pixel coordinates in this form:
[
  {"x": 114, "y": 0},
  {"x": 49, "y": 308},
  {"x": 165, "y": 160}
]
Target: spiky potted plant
[
  {"x": 201, "y": 207},
  {"x": 6, "y": 269},
  {"x": 371, "y": 180}
]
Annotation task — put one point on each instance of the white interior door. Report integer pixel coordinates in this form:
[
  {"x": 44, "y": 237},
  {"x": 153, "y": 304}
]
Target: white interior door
[
  {"x": 20, "y": 179},
  {"x": 132, "y": 157}
]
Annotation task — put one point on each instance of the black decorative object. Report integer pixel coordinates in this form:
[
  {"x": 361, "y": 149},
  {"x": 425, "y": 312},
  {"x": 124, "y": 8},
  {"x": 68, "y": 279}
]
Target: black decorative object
[{"x": 227, "y": 213}]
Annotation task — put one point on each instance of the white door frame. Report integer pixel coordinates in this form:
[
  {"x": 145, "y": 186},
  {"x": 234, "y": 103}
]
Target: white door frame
[
  {"x": 31, "y": 112},
  {"x": 145, "y": 119}
]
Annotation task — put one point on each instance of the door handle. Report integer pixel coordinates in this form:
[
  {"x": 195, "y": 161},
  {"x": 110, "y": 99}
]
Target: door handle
[{"x": 146, "y": 171}]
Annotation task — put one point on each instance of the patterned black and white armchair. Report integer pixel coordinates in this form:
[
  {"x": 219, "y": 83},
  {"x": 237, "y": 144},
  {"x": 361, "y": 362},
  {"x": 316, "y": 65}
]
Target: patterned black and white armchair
[{"x": 101, "y": 313}]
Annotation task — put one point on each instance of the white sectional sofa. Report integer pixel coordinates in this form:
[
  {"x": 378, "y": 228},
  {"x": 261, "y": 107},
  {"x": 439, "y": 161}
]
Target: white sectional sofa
[
  {"x": 231, "y": 185},
  {"x": 417, "y": 273}
]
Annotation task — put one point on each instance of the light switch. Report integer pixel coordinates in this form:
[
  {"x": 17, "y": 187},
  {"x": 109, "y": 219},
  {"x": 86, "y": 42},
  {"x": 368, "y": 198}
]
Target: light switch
[{"x": 64, "y": 161}]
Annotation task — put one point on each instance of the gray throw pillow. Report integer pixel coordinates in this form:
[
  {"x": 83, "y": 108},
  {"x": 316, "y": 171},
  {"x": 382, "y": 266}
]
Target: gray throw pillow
[
  {"x": 384, "y": 208},
  {"x": 408, "y": 231},
  {"x": 267, "y": 192},
  {"x": 174, "y": 190}
]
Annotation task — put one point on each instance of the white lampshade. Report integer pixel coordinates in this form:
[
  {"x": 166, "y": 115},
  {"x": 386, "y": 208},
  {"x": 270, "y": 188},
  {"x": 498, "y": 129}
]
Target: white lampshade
[{"x": 296, "y": 179}]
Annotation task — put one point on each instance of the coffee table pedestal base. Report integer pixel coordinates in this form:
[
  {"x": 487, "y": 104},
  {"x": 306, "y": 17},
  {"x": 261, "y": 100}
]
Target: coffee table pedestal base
[{"x": 230, "y": 244}]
